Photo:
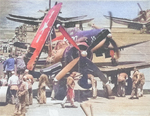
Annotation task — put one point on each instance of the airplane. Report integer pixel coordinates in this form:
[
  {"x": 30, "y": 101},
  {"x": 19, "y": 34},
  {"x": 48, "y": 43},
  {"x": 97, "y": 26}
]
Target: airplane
[
  {"x": 72, "y": 55},
  {"x": 141, "y": 22},
  {"x": 65, "y": 21},
  {"x": 79, "y": 36},
  {"x": 77, "y": 56},
  {"x": 37, "y": 44}
]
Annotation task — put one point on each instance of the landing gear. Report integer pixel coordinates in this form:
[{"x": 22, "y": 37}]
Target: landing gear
[
  {"x": 114, "y": 62},
  {"x": 108, "y": 91},
  {"x": 121, "y": 90},
  {"x": 4, "y": 95}
]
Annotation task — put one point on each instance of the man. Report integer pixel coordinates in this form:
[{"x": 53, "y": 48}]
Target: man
[
  {"x": 135, "y": 84},
  {"x": 20, "y": 65},
  {"x": 21, "y": 109},
  {"x": 9, "y": 65},
  {"x": 30, "y": 82},
  {"x": 94, "y": 85},
  {"x": 13, "y": 83},
  {"x": 121, "y": 84},
  {"x": 141, "y": 83},
  {"x": 43, "y": 82},
  {"x": 27, "y": 93},
  {"x": 3, "y": 80},
  {"x": 70, "y": 90}
]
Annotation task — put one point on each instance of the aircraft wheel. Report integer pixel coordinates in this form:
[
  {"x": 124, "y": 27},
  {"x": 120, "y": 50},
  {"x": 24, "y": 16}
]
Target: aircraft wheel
[
  {"x": 4, "y": 94},
  {"x": 107, "y": 90},
  {"x": 114, "y": 62}
]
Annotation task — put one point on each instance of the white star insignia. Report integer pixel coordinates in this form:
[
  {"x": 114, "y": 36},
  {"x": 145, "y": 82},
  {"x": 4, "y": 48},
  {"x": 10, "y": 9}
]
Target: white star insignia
[{"x": 44, "y": 27}]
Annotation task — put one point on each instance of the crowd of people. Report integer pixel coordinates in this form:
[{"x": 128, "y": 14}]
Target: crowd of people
[
  {"x": 20, "y": 82},
  {"x": 138, "y": 81}
]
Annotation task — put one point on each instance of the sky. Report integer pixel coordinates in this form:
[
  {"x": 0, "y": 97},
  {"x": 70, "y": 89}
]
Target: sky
[{"x": 92, "y": 8}]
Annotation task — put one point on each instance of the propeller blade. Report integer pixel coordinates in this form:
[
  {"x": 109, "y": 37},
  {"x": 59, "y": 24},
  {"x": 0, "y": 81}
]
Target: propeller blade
[
  {"x": 67, "y": 36},
  {"x": 110, "y": 15},
  {"x": 139, "y": 6},
  {"x": 100, "y": 39},
  {"x": 49, "y": 4},
  {"x": 66, "y": 69},
  {"x": 116, "y": 50},
  {"x": 99, "y": 45},
  {"x": 142, "y": 12},
  {"x": 96, "y": 71}
]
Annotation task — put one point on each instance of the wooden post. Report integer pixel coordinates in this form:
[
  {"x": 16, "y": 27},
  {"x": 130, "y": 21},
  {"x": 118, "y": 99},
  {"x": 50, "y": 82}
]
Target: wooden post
[
  {"x": 83, "y": 108},
  {"x": 91, "y": 109}
]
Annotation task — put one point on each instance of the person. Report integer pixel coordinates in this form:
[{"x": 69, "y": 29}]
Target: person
[
  {"x": 5, "y": 75},
  {"x": 141, "y": 84},
  {"x": 70, "y": 91},
  {"x": 121, "y": 79},
  {"x": 9, "y": 65},
  {"x": 135, "y": 84},
  {"x": 27, "y": 93},
  {"x": 13, "y": 83},
  {"x": 30, "y": 82},
  {"x": 20, "y": 65},
  {"x": 54, "y": 88},
  {"x": 3, "y": 80},
  {"x": 43, "y": 82},
  {"x": 94, "y": 85},
  {"x": 21, "y": 107},
  {"x": 93, "y": 26}
]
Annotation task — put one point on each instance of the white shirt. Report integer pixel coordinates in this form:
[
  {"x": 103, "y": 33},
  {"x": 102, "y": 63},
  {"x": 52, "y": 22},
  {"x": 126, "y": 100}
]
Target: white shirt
[{"x": 13, "y": 80}]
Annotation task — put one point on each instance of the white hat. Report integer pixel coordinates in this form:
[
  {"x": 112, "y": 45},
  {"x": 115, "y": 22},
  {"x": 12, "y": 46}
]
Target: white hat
[{"x": 5, "y": 71}]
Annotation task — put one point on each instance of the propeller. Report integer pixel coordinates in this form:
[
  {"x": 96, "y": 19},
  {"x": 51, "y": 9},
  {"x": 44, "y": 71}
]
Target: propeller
[
  {"x": 142, "y": 13},
  {"x": 76, "y": 59},
  {"x": 114, "y": 52}
]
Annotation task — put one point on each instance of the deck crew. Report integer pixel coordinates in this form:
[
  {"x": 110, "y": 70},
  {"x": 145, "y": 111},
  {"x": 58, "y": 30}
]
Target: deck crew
[
  {"x": 21, "y": 109},
  {"x": 70, "y": 90},
  {"x": 9, "y": 65},
  {"x": 141, "y": 84},
  {"x": 43, "y": 82},
  {"x": 13, "y": 83},
  {"x": 20, "y": 64},
  {"x": 121, "y": 84},
  {"x": 30, "y": 82},
  {"x": 138, "y": 81}
]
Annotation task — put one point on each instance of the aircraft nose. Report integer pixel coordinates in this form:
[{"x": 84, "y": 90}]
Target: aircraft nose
[
  {"x": 109, "y": 35},
  {"x": 84, "y": 53}
]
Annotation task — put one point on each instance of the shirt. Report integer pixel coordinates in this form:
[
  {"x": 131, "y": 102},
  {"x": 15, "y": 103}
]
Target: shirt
[
  {"x": 13, "y": 80},
  {"x": 20, "y": 64},
  {"x": 9, "y": 64}
]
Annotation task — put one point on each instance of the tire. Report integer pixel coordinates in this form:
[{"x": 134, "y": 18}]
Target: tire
[
  {"x": 4, "y": 96},
  {"x": 108, "y": 91}
]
